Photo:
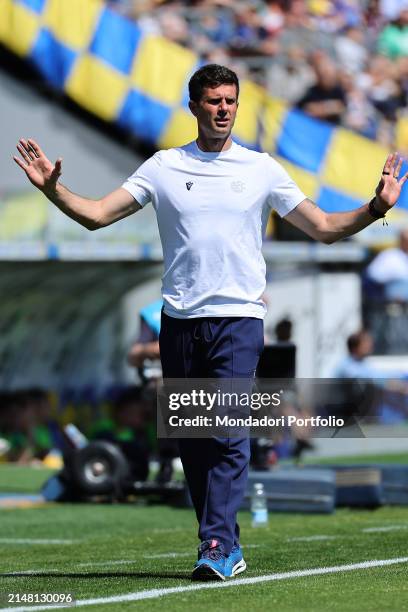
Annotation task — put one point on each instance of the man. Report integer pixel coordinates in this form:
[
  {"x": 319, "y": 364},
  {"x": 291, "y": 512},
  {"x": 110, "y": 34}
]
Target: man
[
  {"x": 212, "y": 198},
  {"x": 325, "y": 99},
  {"x": 389, "y": 270},
  {"x": 359, "y": 346},
  {"x": 371, "y": 387},
  {"x": 144, "y": 354}
]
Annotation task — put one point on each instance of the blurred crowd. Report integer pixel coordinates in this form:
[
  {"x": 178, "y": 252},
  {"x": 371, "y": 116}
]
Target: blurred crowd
[
  {"x": 344, "y": 61},
  {"x": 28, "y": 427},
  {"x": 32, "y": 423}
]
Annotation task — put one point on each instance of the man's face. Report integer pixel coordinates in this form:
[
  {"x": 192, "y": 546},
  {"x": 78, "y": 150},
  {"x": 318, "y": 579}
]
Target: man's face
[
  {"x": 365, "y": 347},
  {"x": 216, "y": 110}
]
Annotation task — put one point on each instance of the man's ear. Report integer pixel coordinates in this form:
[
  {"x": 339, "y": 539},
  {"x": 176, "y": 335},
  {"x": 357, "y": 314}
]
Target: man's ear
[{"x": 193, "y": 107}]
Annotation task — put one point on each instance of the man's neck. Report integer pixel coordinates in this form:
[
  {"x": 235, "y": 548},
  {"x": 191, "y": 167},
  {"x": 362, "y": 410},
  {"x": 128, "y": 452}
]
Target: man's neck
[{"x": 213, "y": 145}]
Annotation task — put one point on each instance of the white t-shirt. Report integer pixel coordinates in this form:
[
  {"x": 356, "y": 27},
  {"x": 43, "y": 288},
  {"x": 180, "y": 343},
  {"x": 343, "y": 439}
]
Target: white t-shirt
[
  {"x": 389, "y": 265},
  {"x": 212, "y": 210}
]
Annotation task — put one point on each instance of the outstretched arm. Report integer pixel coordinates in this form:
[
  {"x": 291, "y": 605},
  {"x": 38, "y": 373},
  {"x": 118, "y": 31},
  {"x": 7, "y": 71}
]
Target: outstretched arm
[
  {"x": 92, "y": 214},
  {"x": 330, "y": 227}
]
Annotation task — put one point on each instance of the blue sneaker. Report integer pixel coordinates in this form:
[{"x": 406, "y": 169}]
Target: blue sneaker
[
  {"x": 211, "y": 561},
  {"x": 235, "y": 563}
]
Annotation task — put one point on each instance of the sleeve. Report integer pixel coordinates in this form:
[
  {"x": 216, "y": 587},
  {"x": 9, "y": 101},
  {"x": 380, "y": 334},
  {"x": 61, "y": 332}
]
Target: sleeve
[
  {"x": 385, "y": 267},
  {"x": 284, "y": 194},
  {"x": 141, "y": 185}
]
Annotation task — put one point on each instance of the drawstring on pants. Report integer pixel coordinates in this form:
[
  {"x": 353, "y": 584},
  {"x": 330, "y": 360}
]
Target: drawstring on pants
[{"x": 202, "y": 331}]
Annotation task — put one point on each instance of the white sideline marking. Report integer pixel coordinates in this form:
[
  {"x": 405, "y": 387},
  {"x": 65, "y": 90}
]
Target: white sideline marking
[
  {"x": 35, "y": 541},
  {"x": 154, "y": 593},
  {"x": 387, "y": 528},
  {"x": 311, "y": 538}
]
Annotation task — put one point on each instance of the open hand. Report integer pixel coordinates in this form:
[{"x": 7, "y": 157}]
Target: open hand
[
  {"x": 39, "y": 170},
  {"x": 390, "y": 185}
]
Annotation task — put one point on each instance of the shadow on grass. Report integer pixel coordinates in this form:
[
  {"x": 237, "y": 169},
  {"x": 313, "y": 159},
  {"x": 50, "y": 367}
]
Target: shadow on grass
[{"x": 88, "y": 575}]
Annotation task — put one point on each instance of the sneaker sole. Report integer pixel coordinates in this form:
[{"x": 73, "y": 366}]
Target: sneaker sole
[
  {"x": 238, "y": 568},
  {"x": 205, "y": 572}
]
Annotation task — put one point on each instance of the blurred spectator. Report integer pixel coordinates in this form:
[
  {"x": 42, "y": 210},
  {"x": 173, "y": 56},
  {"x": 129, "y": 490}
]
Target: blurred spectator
[
  {"x": 360, "y": 345},
  {"x": 393, "y": 40},
  {"x": 382, "y": 87},
  {"x": 283, "y": 330},
  {"x": 25, "y": 445},
  {"x": 326, "y": 99},
  {"x": 175, "y": 27},
  {"x": 47, "y": 430},
  {"x": 144, "y": 12},
  {"x": 389, "y": 270},
  {"x": 144, "y": 354},
  {"x": 390, "y": 9},
  {"x": 374, "y": 21},
  {"x": 371, "y": 390},
  {"x": 215, "y": 25},
  {"x": 272, "y": 18},
  {"x": 247, "y": 28},
  {"x": 360, "y": 114},
  {"x": 298, "y": 16},
  {"x": 290, "y": 78},
  {"x": 402, "y": 75},
  {"x": 351, "y": 51},
  {"x": 4, "y": 443},
  {"x": 26, "y": 423},
  {"x": 336, "y": 15}
]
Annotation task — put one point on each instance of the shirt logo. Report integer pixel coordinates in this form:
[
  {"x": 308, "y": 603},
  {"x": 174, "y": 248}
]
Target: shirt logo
[
  {"x": 189, "y": 185},
  {"x": 237, "y": 186}
]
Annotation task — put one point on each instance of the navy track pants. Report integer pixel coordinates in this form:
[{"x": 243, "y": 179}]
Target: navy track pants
[{"x": 216, "y": 469}]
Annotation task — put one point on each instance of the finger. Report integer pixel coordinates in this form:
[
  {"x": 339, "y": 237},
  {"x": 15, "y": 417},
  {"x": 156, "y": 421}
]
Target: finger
[
  {"x": 35, "y": 147},
  {"x": 24, "y": 154},
  {"x": 388, "y": 164},
  {"x": 32, "y": 151},
  {"x": 20, "y": 163},
  {"x": 58, "y": 167},
  {"x": 404, "y": 178},
  {"x": 397, "y": 169},
  {"x": 27, "y": 148}
]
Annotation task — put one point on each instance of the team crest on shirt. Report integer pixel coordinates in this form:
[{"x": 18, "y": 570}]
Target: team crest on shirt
[
  {"x": 189, "y": 185},
  {"x": 237, "y": 186}
]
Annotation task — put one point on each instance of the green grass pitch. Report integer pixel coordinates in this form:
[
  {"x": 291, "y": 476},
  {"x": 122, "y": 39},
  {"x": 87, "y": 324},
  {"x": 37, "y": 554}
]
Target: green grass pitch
[{"x": 118, "y": 549}]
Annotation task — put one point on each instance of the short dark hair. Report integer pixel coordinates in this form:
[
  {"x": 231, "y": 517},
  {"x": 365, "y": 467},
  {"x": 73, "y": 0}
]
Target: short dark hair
[
  {"x": 354, "y": 340},
  {"x": 211, "y": 75},
  {"x": 283, "y": 330}
]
